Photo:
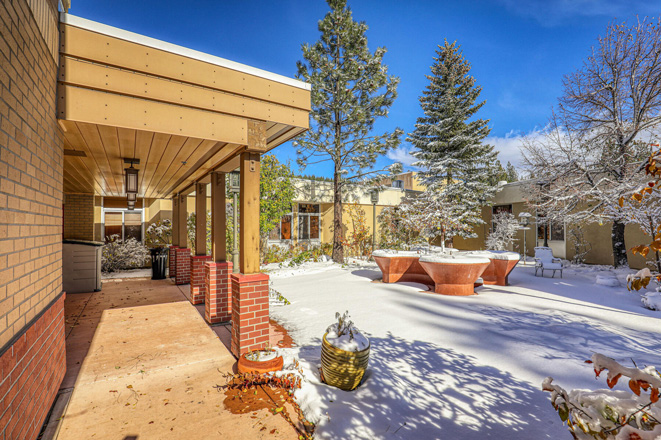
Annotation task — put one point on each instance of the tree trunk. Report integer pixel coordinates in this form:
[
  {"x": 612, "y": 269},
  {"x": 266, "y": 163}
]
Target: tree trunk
[
  {"x": 338, "y": 249},
  {"x": 619, "y": 248}
]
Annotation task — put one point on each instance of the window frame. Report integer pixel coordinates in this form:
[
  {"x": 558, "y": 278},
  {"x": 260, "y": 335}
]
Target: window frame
[{"x": 123, "y": 211}]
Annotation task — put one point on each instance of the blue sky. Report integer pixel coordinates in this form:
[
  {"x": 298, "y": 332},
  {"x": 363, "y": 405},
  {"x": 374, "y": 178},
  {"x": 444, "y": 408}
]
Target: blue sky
[{"x": 519, "y": 49}]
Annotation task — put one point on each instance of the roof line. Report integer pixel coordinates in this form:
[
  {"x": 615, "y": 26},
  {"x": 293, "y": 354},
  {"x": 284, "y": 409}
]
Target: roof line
[{"x": 111, "y": 31}]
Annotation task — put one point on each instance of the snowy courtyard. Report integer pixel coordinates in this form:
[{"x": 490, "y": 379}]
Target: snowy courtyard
[{"x": 461, "y": 367}]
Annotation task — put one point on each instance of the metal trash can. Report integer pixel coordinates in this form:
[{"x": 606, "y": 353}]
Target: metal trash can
[{"x": 159, "y": 261}]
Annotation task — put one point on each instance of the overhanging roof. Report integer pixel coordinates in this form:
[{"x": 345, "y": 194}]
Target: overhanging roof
[{"x": 182, "y": 113}]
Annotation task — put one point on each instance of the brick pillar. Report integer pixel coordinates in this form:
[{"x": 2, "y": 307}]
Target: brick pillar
[
  {"x": 182, "y": 266},
  {"x": 217, "y": 292},
  {"x": 250, "y": 312},
  {"x": 172, "y": 261},
  {"x": 197, "y": 284}
]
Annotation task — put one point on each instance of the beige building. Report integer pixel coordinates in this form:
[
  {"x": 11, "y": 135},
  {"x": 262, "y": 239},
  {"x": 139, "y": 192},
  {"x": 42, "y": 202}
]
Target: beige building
[
  {"x": 561, "y": 236},
  {"x": 311, "y": 219}
]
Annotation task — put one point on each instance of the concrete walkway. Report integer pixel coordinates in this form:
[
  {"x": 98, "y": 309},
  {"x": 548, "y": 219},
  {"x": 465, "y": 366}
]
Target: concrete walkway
[{"x": 144, "y": 365}]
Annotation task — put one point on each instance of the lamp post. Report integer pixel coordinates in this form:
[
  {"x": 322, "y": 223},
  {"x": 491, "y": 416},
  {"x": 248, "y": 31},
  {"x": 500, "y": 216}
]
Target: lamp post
[
  {"x": 524, "y": 221},
  {"x": 235, "y": 187},
  {"x": 374, "y": 197},
  {"x": 541, "y": 184}
]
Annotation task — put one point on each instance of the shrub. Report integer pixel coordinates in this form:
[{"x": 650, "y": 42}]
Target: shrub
[
  {"x": 504, "y": 230},
  {"x": 359, "y": 241},
  {"x": 123, "y": 254},
  {"x": 159, "y": 234}
]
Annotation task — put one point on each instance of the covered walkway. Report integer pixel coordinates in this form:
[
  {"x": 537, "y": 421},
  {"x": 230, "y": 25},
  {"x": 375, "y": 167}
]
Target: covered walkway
[{"x": 143, "y": 364}]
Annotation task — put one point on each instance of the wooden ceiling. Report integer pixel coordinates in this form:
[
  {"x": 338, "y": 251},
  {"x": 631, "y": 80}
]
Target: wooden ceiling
[
  {"x": 182, "y": 114},
  {"x": 93, "y": 158}
]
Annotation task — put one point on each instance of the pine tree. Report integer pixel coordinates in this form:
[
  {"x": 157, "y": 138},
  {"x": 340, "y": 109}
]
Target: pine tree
[
  {"x": 456, "y": 166},
  {"x": 512, "y": 175},
  {"x": 351, "y": 88}
]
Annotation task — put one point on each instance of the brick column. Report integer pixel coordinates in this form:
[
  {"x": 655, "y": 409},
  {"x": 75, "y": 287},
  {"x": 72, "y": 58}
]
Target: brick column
[
  {"x": 217, "y": 292},
  {"x": 197, "y": 284},
  {"x": 182, "y": 266},
  {"x": 172, "y": 261},
  {"x": 250, "y": 312}
]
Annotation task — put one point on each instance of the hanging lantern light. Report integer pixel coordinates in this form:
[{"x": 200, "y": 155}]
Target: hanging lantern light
[
  {"x": 131, "y": 197},
  {"x": 131, "y": 179}
]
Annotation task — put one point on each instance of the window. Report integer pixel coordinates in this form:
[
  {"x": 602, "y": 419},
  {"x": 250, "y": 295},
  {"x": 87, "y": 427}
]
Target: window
[
  {"x": 556, "y": 231},
  {"x": 282, "y": 230},
  {"x": 126, "y": 224},
  {"x": 308, "y": 221}
]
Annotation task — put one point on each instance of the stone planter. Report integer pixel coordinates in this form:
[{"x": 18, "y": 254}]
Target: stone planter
[
  {"x": 259, "y": 361},
  {"x": 401, "y": 266},
  {"x": 502, "y": 263},
  {"x": 454, "y": 275},
  {"x": 341, "y": 368}
]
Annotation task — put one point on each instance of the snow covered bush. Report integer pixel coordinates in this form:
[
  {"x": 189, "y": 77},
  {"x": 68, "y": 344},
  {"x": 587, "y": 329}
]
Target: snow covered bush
[
  {"x": 504, "y": 230},
  {"x": 159, "y": 234},
  {"x": 611, "y": 414},
  {"x": 123, "y": 254}
]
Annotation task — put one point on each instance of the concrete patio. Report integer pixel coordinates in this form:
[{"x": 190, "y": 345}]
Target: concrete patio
[{"x": 143, "y": 364}]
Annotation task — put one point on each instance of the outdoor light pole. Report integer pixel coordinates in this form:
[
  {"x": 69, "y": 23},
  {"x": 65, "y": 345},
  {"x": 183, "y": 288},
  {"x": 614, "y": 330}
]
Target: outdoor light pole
[
  {"x": 234, "y": 189},
  {"x": 524, "y": 221},
  {"x": 375, "y": 199},
  {"x": 541, "y": 184}
]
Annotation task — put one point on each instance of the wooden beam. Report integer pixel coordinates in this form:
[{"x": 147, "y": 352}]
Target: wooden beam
[
  {"x": 175, "y": 220},
  {"x": 218, "y": 218},
  {"x": 182, "y": 223},
  {"x": 200, "y": 219},
  {"x": 249, "y": 213}
]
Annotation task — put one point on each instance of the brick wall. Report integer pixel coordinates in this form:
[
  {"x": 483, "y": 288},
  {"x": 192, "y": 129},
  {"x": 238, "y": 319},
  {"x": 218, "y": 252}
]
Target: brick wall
[
  {"x": 31, "y": 371},
  {"x": 182, "y": 266},
  {"x": 217, "y": 292},
  {"x": 250, "y": 312},
  {"x": 31, "y": 177},
  {"x": 31, "y": 156},
  {"x": 197, "y": 279},
  {"x": 79, "y": 216}
]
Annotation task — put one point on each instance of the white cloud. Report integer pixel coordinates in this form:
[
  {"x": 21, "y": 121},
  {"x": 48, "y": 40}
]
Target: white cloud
[
  {"x": 509, "y": 146},
  {"x": 403, "y": 155}
]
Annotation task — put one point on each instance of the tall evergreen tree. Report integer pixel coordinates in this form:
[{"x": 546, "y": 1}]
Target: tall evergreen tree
[
  {"x": 457, "y": 167},
  {"x": 351, "y": 88},
  {"x": 512, "y": 175}
]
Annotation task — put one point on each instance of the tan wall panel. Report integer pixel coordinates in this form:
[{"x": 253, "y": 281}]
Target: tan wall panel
[
  {"x": 84, "y": 105},
  {"x": 101, "y": 48},
  {"x": 100, "y": 77}
]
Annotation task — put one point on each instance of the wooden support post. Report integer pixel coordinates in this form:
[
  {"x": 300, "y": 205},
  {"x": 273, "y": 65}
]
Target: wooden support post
[
  {"x": 182, "y": 217},
  {"x": 175, "y": 220},
  {"x": 218, "y": 218},
  {"x": 249, "y": 213},
  {"x": 200, "y": 219}
]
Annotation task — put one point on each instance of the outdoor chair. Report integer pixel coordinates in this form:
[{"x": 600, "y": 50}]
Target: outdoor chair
[{"x": 545, "y": 260}]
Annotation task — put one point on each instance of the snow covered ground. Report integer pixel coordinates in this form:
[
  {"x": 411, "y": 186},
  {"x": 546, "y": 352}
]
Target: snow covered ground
[{"x": 461, "y": 367}]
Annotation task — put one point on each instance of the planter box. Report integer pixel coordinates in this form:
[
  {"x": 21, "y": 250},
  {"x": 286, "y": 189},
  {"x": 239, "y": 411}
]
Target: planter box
[{"x": 454, "y": 275}]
